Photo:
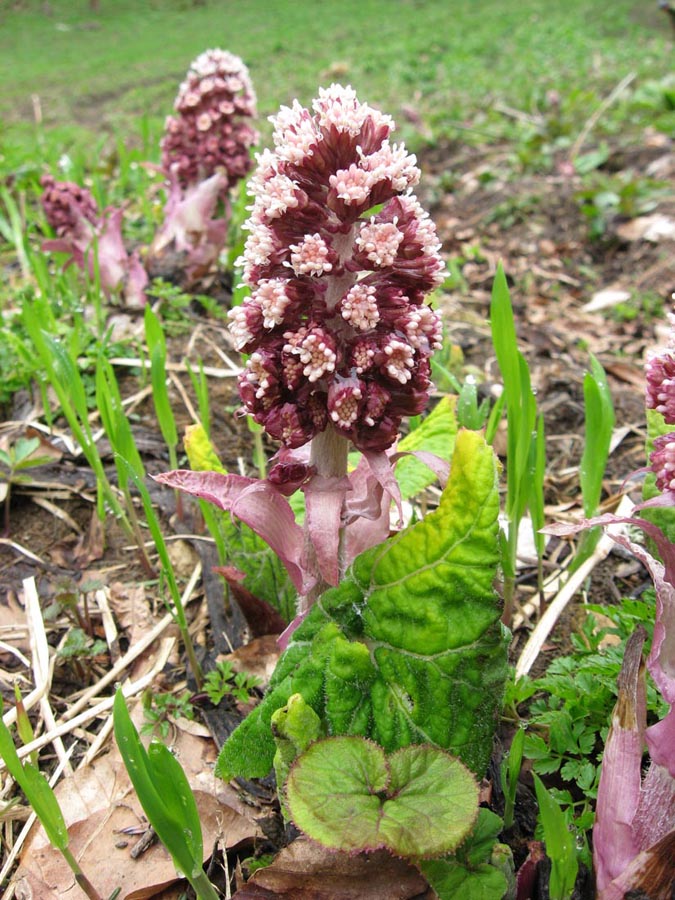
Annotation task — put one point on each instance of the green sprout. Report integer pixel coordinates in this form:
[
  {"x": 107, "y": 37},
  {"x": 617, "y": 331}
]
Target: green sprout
[
  {"x": 560, "y": 844},
  {"x": 14, "y": 461},
  {"x": 44, "y": 803},
  {"x": 525, "y": 437},
  {"x": 166, "y": 797}
]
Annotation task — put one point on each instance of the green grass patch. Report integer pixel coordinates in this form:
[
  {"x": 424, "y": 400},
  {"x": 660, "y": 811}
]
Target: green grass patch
[{"x": 448, "y": 60}]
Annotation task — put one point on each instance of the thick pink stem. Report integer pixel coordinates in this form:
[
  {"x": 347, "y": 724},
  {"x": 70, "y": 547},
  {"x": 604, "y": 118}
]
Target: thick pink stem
[{"x": 328, "y": 455}]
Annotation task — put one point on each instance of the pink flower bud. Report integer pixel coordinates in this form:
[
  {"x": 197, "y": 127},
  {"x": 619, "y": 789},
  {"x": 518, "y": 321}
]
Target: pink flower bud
[
  {"x": 73, "y": 214},
  {"x": 336, "y": 324},
  {"x": 68, "y": 207}
]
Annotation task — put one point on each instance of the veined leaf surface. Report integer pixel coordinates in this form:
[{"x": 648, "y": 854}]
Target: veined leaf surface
[{"x": 409, "y": 648}]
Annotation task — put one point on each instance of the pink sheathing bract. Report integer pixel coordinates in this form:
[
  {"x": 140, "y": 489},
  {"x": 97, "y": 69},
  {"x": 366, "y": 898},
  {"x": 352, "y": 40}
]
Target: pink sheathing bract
[
  {"x": 189, "y": 226},
  {"x": 339, "y": 259},
  {"x": 614, "y": 841},
  {"x": 255, "y": 502},
  {"x": 628, "y": 821}
]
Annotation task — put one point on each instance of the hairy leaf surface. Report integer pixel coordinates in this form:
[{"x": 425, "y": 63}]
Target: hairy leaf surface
[
  {"x": 409, "y": 648},
  {"x": 346, "y": 794}
]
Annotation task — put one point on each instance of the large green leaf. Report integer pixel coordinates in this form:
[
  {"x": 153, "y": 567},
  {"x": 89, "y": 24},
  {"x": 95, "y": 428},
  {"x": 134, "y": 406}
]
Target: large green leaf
[
  {"x": 345, "y": 793},
  {"x": 409, "y": 647}
]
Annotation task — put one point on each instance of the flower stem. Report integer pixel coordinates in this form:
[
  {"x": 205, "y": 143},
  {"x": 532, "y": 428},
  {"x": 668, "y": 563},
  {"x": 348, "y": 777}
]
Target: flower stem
[{"x": 328, "y": 454}]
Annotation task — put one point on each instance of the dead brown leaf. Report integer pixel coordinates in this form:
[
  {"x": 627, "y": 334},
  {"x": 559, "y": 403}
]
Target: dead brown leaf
[
  {"x": 307, "y": 871},
  {"x": 12, "y": 615},
  {"x": 183, "y": 557},
  {"x": 258, "y": 657},
  {"x": 131, "y": 609},
  {"x": 261, "y": 617},
  {"x": 77, "y": 553}
]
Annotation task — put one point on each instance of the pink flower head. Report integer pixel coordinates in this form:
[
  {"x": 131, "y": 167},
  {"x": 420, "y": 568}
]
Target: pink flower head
[
  {"x": 336, "y": 326},
  {"x": 211, "y": 131},
  {"x": 660, "y": 378},
  {"x": 73, "y": 214},
  {"x": 662, "y": 462},
  {"x": 69, "y": 208}
]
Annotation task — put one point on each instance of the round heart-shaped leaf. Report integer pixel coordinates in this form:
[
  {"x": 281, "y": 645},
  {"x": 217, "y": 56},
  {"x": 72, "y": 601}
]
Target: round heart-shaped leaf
[{"x": 347, "y": 794}]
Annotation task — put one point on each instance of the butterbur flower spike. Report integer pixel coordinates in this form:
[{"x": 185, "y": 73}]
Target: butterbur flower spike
[
  {"x": 81, "y": 231},
  {"x": 339, "y": 259},
  {"x": 205, "y": 152},
  {"x": 211, "y": 130}
]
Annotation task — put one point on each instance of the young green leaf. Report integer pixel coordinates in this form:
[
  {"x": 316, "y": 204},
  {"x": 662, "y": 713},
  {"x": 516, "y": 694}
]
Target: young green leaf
[
  {"x": 599, "y": 412},
  {"x": 510, "y": 770},
  {"x": 535, "y": 497},
  {"x": 36, "y": 788},
  {"x": 436, "y": 435},
  {"x": 201, "y": 388},
  {"x": 560, "y": 847},
  {"x": 468, "y": 873},
  {"x": 451, "y": 879},
  {"x": 115, "y": 422},
  {"x": 294, "y": 727},
  {"x": 345, "y": 793},
  {"x": 176, "y": 608},
  {"x": 157, "y": 351},
  {"x": 201, "y": 453},
  {"x": 163, "y": 791}
]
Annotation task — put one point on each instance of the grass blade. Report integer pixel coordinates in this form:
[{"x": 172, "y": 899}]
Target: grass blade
[{"x": 169, "y": 827}]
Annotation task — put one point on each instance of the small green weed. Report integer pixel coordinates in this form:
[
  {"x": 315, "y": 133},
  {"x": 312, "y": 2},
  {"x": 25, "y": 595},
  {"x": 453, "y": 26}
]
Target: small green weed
[
  {"x": 173, "y": 305},
  {"x": 607, "y": 197},
  {"x": 223, "y": 680},
  {"x": 647, "y": 307},
  {"x": 79, "y": 645},
  {"x": 160, "y": 709},
  {"x": 14, "y": 461}
]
